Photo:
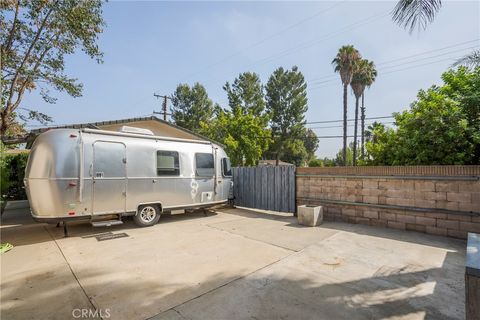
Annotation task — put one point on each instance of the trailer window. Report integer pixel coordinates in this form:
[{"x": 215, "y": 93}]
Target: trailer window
[
  {"x": 226, "y": 167},
  {"x": 204, "y": 164},
  {"x": 167, "y": 163}
]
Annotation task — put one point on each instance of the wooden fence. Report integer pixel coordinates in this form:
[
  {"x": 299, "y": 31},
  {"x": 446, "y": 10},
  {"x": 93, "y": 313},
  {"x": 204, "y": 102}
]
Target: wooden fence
[{"x": 266, "y": 188}]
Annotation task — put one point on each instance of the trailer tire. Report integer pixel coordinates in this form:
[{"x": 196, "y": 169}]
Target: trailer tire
[{"x": 147, "y": 215}]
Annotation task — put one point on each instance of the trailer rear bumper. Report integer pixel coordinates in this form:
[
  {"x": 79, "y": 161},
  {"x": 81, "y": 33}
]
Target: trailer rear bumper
[{"x": 54, "y": 220}]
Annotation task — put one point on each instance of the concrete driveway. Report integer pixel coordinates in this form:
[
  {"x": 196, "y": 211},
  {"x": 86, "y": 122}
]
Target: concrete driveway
[{"x": 230, "y": 264}]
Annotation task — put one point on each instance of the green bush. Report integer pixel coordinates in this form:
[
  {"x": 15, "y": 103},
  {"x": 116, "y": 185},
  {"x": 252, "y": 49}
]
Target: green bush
[
  {"x": 12, "y": 172},
  {"x": 316, "y": 163},
  {"x": 442, "y": 127}
]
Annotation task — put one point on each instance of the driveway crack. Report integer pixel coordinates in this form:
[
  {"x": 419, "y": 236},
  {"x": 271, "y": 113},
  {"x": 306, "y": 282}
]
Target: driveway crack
[
  {"x": 71, "y": 270},
  {"x": 253, "y": 239},
  {"x": 224, "y": 285}
]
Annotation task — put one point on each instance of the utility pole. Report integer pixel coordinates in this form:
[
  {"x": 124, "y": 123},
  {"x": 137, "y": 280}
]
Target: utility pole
[{"x": 164, "y": 106}]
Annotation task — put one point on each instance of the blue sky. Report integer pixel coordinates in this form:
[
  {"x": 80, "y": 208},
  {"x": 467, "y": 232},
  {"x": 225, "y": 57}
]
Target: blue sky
[{"x": 152, "y": 46}]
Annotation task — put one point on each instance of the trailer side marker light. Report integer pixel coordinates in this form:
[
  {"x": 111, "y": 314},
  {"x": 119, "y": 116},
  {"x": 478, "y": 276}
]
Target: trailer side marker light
[
  {"x": 73, "y": 136},
  {"x": 71, "y": 213}
]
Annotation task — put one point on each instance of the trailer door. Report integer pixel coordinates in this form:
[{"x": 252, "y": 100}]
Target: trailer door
[{"x": 109, "y": 177}]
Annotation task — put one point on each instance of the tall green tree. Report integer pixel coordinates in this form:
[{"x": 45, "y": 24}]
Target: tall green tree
[
  {"x": 363, "y": 76},
  {"x": 244, "y": 135},
  {"x": 298, "y": 151},
  {"x": 294, "y": 152},
  {"x": 191, "y": 106},
  {"x": 380, "y": 145},
  {"x": 345, "y": 63},
  {"x": 286, "y": 95},
  {"x": 310, "y": 141},
  {"x": 339, "y": 159},
  {"x": 35, "y": 36},
  {"x": 246, "y": 94},
  {"x": 442, "y": 126},
  {"x": 243, "y": 128}
]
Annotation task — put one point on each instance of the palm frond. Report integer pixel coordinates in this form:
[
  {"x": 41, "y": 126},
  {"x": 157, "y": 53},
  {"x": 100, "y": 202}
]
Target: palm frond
[
  {"x": 413, "y": 14},
  {"x": 471, "y": 60},
  {"x": 345, "y": 62}
]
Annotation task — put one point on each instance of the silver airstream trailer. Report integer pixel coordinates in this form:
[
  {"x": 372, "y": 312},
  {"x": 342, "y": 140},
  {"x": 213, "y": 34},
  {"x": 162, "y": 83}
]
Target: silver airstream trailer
[{"x": 87, "y": 174}]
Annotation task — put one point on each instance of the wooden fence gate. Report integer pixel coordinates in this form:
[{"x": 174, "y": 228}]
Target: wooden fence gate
[{"x": 266, "y": 188}]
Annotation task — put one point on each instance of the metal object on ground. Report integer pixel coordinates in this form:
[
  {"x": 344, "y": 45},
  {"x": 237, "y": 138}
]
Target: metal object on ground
[
  {"x": 111, "y": 236},
  {"x": 106, "y": 223}
]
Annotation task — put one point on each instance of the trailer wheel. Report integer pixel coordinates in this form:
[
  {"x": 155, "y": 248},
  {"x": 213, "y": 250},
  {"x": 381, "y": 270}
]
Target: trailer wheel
[{"x": 147, "y": 215}]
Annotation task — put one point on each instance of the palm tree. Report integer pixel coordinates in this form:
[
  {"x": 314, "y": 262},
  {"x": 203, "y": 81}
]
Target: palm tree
[
  {"x": 471, "y": 60},
  {"x": 344, "y": 63},
  {"x": 370, "y": 75},
  {"x": 413, "y": 14},
  {"x": 363, "y": 77},
  {"x": 358, "y": 86}
]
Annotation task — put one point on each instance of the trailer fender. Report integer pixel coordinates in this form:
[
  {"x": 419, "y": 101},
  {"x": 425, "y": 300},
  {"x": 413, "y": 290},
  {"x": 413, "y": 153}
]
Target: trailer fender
[{"x": 156, "y": 203}]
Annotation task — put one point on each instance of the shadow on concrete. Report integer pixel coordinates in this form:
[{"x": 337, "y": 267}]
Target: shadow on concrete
[
  {"x": 271, "y": 293},
  {"x": 399, "y": 293},
  {"x": 19, "y": 228},
  {"x": 399, "y": 235},
  {"x": 12, "y": 217},
  {"x": 387, "y": 233}
]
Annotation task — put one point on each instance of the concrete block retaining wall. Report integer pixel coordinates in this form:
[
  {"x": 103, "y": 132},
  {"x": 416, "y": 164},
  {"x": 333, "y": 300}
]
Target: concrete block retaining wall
[{"x": 441, "y": 200}]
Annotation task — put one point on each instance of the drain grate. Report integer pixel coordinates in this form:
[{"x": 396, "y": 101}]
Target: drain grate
[{"x": 110, "y": 236}]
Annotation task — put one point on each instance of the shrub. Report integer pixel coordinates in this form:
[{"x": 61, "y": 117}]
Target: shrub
[
  {"x": 12, "y": 172},
  {"x": 316, "y": 163}
]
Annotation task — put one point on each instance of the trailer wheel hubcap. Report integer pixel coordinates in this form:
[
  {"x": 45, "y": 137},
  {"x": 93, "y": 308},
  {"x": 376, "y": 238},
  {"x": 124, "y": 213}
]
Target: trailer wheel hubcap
[{"x": 148, "y": 214}]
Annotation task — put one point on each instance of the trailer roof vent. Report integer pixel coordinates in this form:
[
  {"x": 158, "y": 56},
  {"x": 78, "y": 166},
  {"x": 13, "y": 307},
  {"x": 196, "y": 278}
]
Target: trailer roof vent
[{"x": 136, "y": 130}]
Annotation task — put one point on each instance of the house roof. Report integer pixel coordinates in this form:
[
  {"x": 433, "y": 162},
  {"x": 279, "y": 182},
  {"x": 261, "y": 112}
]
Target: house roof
[
  {"x": 150, "y": 122},
  {"x": 273, "y": 163}
]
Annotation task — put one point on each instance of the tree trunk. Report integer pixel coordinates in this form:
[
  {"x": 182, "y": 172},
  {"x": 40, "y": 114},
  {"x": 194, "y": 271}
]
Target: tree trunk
[
  {"x": 3, "y": 122},
  {"x": 363, "y": 125},
  {"x": 355, "y": 132},
  {"x": 277, "y": 159},
  {"x": 345, "y": 87}
]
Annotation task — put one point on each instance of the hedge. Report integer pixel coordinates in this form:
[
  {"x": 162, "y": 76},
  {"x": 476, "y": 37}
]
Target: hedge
[{"x": 12, "y": 172}]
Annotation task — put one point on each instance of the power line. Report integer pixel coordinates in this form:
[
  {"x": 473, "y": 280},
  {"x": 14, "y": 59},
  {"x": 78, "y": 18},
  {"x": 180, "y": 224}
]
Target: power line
[
  {"x": 328, "y": 83},
  {"x": 416, "y": 66},
  {"x": 405, "y": 57},
  {"x": 332, "y": 137},
  {"x": 341, "y": 120},
  {"x": 334, "y": 77},
  {"x": 311, "y": 43},
  {"x": 350, "y": 125},
  {"x": 327, "y": 36},
  {"x": 294, "y": 25},
  {"x": 429, "y": 51},
  {"x": 430, "y": 57}
]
